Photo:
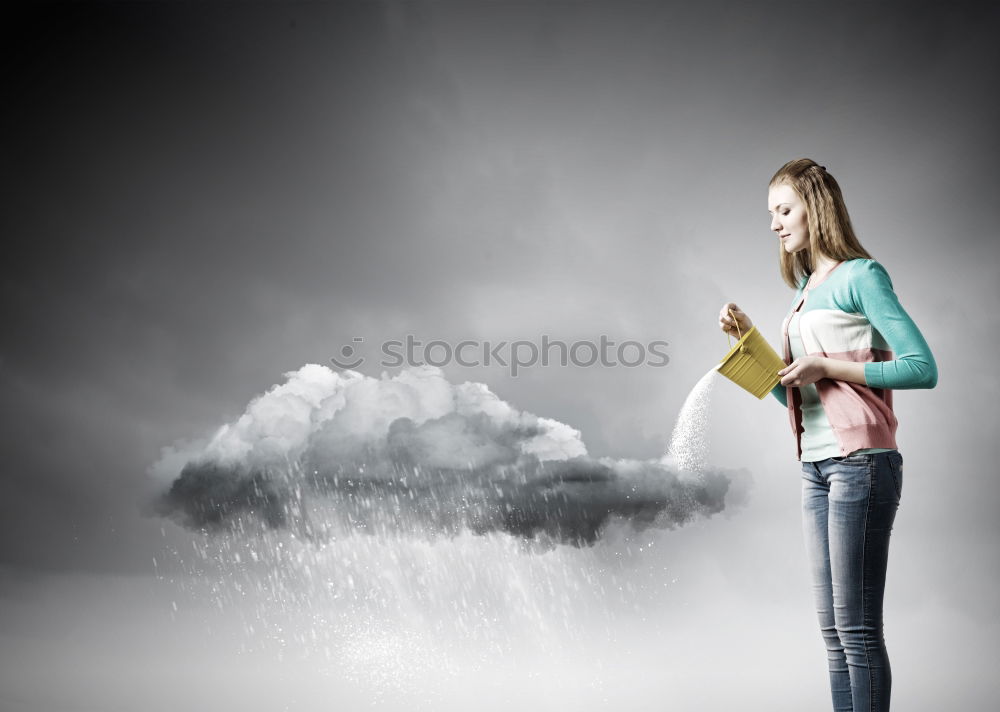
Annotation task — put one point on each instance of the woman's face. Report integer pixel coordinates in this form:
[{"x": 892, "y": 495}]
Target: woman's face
[{"x": 788, "y": 217}]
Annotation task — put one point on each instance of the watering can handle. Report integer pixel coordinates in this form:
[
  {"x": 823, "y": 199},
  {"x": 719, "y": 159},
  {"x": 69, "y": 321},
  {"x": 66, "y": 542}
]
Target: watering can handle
[{"x": 737, "y": 322}]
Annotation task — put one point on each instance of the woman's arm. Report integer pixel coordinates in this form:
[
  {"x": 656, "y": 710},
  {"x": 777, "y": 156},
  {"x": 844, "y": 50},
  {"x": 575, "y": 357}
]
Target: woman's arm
[
  {"x": 913, "y": 365},
  {"x": 873, "y": 295}
]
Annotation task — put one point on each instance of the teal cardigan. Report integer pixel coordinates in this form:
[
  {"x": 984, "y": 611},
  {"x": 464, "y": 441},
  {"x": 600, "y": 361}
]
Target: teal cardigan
[{"x": 855, "y": 315}]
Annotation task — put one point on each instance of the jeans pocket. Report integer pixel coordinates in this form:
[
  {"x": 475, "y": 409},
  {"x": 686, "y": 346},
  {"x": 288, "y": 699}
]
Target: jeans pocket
[
  {"x": 896, "y": 468},
  {"x": 863, "y": 457}
]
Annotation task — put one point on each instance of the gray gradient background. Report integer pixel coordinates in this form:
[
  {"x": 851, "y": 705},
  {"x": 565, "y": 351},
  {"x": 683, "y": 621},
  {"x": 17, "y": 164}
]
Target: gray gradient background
[{"x": 200, "y": 197}]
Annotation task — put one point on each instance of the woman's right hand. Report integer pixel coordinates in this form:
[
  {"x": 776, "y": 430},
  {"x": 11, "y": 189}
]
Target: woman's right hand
[{"x": 728, "y": 325}]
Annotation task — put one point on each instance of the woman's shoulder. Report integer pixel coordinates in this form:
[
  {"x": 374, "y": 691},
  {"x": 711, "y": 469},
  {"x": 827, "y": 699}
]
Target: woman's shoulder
[
  {"x": 866, "y": 271},
  {"x": 866, "y": 284},
  {"x": 852, "y": 275},
  {"x": 860, "y": 263}
]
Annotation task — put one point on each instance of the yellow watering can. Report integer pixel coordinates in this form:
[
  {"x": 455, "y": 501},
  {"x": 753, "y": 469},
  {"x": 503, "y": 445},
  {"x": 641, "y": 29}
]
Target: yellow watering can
[{"x": 751, "y": 364}]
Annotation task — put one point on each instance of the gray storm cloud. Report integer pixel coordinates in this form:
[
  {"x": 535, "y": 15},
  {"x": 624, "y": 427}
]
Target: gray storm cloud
[{"x": 327, "y": 452}]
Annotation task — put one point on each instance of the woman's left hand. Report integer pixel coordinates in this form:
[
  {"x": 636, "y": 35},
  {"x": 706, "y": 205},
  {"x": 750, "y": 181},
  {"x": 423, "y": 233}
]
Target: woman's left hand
[{"x": 803, "y": 371}]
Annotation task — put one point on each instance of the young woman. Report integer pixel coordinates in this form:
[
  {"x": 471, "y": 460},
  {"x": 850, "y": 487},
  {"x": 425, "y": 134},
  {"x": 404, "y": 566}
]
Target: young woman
[{"x": 848, "y": 343}]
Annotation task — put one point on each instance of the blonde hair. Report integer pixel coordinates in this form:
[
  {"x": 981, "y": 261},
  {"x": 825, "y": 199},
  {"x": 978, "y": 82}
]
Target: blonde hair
[{"x": 830, "y": 230}]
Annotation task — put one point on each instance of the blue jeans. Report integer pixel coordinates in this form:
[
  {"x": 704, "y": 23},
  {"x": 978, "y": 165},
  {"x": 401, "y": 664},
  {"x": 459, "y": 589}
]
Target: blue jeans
[{"x": 848, "y": 506}]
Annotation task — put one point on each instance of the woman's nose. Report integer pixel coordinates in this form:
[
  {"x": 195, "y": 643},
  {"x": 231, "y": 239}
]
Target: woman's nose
[{"x": 775, "y": 225}]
